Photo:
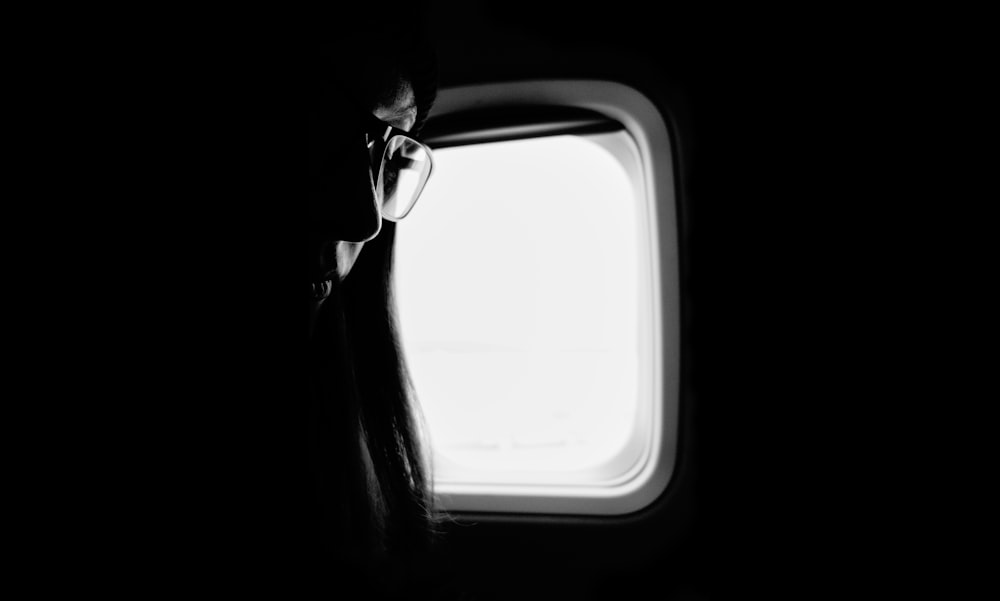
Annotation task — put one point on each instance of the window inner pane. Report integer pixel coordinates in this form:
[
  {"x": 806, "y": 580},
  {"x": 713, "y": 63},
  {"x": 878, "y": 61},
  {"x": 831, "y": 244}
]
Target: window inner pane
[{"x": 517, "y": 297}]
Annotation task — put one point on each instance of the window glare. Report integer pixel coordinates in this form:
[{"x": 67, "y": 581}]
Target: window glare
[{"x": 517, "y": 298}]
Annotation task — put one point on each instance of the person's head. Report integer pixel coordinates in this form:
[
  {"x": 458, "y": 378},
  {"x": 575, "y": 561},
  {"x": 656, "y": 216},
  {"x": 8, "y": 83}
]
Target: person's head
[
  {"x": 373, "y": 90},
  {"x": 372, "y": 85}
]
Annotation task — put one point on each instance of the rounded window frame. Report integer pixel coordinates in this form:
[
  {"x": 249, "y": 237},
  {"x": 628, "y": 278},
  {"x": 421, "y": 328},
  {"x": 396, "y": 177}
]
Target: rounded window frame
[{"x": 660, "y": 379}]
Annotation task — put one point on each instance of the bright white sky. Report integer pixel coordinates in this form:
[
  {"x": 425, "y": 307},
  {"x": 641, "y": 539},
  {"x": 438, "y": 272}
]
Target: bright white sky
[{"x": 516, "y": 286}]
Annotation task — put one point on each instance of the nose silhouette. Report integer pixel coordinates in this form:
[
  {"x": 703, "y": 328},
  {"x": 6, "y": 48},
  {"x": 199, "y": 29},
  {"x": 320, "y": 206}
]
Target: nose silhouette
[
  {"x": 357, "y": 216},
  {"x": 342, "y": 200}
]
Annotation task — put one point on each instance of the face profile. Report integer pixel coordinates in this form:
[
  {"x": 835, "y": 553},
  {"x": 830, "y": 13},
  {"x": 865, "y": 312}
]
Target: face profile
[{"x": 398, "y": 167}]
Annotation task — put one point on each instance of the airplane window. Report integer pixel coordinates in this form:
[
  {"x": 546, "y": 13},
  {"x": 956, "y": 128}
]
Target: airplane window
[{"x": 524, "y": 290}]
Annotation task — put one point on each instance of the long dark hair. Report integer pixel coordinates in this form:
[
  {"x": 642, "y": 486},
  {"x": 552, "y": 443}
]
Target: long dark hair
[{"x": 375, "y": 492}]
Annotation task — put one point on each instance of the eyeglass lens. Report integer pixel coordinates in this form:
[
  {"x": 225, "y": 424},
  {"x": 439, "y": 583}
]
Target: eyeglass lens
[{"x": 406, "y": 165}]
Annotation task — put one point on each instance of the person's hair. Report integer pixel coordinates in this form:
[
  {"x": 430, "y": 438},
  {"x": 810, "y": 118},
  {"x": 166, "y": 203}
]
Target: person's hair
[
  {"x": 370, "y": 465},
  {"x": 373, "y": 489}
]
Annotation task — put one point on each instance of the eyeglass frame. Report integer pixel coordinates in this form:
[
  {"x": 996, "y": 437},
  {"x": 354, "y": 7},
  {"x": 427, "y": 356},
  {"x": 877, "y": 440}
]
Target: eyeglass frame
[{"x": 388, "y": 132}]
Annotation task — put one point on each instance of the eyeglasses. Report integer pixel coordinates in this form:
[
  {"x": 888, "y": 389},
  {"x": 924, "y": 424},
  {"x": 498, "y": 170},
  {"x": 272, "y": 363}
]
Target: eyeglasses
[{"x": 400, "y": 167}]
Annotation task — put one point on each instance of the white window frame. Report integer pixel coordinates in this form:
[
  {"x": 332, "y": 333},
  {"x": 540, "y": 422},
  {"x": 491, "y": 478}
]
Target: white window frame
[{"x": 659, "y": 385}]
